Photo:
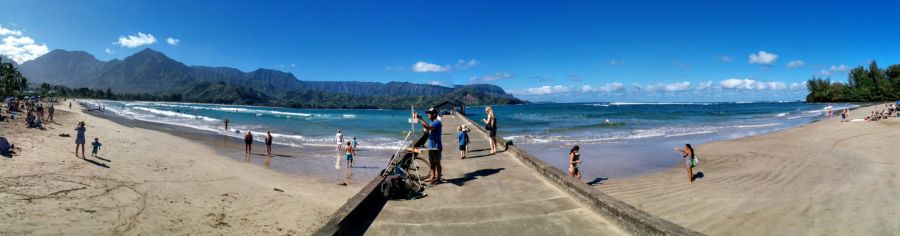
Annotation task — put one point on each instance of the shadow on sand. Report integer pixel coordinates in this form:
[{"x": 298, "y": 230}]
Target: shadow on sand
[
  {"x": 473, "y": 175},
  {"x": 96, "y": 163},
  {"x": 597, "y": 181},
  {"x": 698, "y": 175}
]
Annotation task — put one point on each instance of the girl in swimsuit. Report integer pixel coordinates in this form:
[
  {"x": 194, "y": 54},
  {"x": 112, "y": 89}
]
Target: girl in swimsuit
[
  {"x": 688, "y": 156},
  {"x": 574, "y": 160}
]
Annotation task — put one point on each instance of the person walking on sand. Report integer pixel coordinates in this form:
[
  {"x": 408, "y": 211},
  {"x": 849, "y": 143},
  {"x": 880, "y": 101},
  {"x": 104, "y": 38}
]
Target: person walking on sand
[
  {"x": 79, "y": 139},
  {"x": 339, "y": 139},
  {"x": 689, "y": 160},
  {"x": 95, "y": 146},
  {"x": 461, "y": 138},
  {"x": 248, "y": 142},
  {"x": 351, "y": 152},
  {"x": 268, "y": 143},
  {"x": 50, "y": 112},
  {"x": 574, "y": 160},
  {"x": 490, "y": 124},
  {"x": 434, "y": 144}
]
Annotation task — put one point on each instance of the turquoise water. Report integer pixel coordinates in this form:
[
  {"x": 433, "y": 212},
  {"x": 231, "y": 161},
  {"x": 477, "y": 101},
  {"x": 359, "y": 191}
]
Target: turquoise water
[{"x": 638, "y": 138}]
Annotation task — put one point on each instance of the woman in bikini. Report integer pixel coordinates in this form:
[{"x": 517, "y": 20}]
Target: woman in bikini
[{"x": 574, "y": 160}]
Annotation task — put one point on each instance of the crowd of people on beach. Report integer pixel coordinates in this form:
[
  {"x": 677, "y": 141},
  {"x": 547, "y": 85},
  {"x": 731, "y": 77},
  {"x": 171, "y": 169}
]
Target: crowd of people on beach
[
  {"x": 37, "y": 111},
  {"x": 890, "y": 110}
]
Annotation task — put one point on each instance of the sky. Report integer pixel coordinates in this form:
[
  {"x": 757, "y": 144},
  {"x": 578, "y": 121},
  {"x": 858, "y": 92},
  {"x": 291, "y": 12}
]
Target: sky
[{"x": 560, "y": 51}]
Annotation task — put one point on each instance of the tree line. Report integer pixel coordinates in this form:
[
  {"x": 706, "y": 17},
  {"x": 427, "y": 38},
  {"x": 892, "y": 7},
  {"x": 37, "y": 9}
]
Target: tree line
[{"x": 872, "y": 84}]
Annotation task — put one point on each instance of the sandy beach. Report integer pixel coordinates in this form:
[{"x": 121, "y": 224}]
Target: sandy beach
[
  {"x": 824, "y": 178},
  {"x": 148, "y": 182}
]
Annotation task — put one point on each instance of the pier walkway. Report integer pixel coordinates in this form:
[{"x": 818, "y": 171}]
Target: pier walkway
[{"x": 508, "y": 193}]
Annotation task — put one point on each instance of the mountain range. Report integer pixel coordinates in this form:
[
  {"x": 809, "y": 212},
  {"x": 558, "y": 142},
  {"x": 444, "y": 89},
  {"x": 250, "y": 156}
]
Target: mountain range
[{"x": 152, "y": 72}]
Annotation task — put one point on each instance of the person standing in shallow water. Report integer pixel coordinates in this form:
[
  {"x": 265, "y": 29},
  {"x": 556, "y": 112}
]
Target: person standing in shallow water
[
  {"x": 226, "y": 125},
  {"x": 248, "y": 142},
  {"x": 339, "y": 139},
  {"x": 574, "y": 160},
  {"x": 268, "y": 143},
  {"x": 688, "y": 156},
  {"x": 79, "y": 139}
]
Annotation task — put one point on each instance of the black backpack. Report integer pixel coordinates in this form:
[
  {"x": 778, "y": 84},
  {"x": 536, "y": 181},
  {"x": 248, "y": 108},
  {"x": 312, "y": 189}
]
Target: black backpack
[{"x": 394, "y": 187}]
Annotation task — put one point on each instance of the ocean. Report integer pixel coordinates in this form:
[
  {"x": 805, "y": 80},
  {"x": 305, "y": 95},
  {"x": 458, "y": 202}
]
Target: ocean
[{"x": 638, "y": 139}]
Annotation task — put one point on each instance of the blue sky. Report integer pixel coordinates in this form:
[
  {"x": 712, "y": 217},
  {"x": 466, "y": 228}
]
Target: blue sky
[{"x": 541, "y": 51}]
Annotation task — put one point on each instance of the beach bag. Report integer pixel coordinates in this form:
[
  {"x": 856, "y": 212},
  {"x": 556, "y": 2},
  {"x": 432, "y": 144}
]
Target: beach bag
[{"x": 694, "y": 161}]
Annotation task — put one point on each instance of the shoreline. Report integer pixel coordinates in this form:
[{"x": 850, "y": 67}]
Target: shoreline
[
  {"x": 309, "y": 161},
  {"x": 148, "y": 182},
  {"x": 642, "y": 157},
  {"x": 826, "y": 177}
]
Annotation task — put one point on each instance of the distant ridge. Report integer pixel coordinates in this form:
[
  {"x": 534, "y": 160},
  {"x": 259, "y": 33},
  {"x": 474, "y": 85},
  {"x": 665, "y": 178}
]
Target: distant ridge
[{"x": 152, "y": 72}]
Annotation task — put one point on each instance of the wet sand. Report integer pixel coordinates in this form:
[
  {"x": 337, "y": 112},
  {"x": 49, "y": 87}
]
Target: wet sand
[
  {"x": 148, "y": 182},
  {"x": 825, "y": 178}
]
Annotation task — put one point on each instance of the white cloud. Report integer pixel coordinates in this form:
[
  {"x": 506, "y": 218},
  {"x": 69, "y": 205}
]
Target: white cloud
[
  {"x": 438, "y": 83},
  {"x": 464, "y": 64},
  {"x": 751, "y": 84},
  {"x": 494, "y": 77},
  {"x": 705, "y": 85},
  {"x": 16, "y": 41},
  {"x": 546, "y": 90},
  {"x": 615, "y": 62},
  {"x": 734, "y": 83},
  {"x": 775, "y": 85},
  {"x": 172, "y": 41},
  {"x": 21, "y": 49},
  {"x": 726, "y": 58},
  {"x": 109, "y": 51},
  {"x": 664, "y": 87},
  {"x": 763, "y": 58},
  {"x": 429, "y": 67},
  {"x": 796, "y": 64},
  {"x": 834, "y": 69},
  {"x": 7, "y": 31},
  {"x": 798, "y": 86},
  {"x": 132, "y": 41},
  {"x": 610, "y": 87}
]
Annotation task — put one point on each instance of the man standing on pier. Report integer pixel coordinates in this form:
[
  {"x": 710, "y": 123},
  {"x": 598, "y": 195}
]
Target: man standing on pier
[{"x": 434, "y": 144}]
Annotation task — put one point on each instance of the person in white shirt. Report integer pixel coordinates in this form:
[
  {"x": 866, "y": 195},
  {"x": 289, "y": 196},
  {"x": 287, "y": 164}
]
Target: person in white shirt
[{"x": 339, "y": 138}]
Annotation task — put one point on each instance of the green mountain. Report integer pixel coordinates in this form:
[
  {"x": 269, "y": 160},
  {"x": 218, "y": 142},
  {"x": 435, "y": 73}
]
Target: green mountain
[{"x": 153, "y": 74}]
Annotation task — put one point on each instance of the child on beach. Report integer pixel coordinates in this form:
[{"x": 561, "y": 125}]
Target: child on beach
[
  {"x": 461, "y": 137},
  {"x": 574, "y": 160},
  {"x": 350, "y": 153},
  {"x": 95, "y": 146},
  {"x": 354, "y": 143}
]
